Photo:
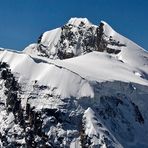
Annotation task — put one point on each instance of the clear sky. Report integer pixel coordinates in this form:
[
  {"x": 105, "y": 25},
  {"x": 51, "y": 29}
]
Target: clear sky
[{"x": 22, "y": 21}]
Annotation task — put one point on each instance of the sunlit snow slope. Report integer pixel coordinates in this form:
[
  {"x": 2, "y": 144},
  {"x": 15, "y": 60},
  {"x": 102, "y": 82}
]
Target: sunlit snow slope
[{"x": 80, "y": 85}]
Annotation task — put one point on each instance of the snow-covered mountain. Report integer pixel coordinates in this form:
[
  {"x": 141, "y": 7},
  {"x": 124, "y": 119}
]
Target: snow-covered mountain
[{"x": 80, "y": 85}]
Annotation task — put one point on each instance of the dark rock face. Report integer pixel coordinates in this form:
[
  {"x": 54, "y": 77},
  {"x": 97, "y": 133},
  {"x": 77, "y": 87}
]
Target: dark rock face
[
  {"x": 77, "y": 40},
  {"x": 12, "y": 88},
  {"x": 103, "y": 41},
  {"x": 13, "y": 102}
]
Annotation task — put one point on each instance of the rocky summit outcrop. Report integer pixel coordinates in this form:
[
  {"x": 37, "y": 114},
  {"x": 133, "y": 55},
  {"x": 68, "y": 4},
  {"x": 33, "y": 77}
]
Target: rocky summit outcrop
[
  {"x": 79, "y": 86},
  {"x": 77, "y": 37}
]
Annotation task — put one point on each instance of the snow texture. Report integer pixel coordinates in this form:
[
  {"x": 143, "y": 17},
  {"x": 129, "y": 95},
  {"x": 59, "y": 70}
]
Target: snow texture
[{"x": 71, "y": 93}]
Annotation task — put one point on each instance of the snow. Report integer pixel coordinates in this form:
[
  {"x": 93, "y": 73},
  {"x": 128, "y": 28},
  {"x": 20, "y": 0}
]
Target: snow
[
  {"x": 102, "y": 67},
  {"x": 50, "y": 41},
  {"x": 76, "y": 21},
  {"x": 95, "y": 129},
  {"x": 31, "y": 49},
  {"x": 84, "y": 78},
  {"x": 47, "y": 74},
  {"x": 6, "y": 120},
  {"x": 75, "y": 143},
  {"x": 138, "y": 74},
  {"x": 76, "y": 72},
  {"x": 51, "y": 38},
  {"x": 132, "y": 53},
  {"x": 90, "y": 123},
  {"x": 108, "y": 30},
  {"x": 130, "y": 65}
]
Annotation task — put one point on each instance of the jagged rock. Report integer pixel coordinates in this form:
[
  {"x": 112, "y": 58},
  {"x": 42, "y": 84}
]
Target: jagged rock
[{"x": 77, "y": 39}]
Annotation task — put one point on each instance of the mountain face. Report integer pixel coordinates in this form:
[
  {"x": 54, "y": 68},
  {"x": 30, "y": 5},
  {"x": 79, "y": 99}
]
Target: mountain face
[
  {"x": 80, "y": 85},
  {"x": 76, "y": 38}
]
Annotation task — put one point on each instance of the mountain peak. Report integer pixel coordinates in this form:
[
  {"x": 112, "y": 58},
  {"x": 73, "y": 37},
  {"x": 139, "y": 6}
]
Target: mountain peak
[
  {"x": 77, "y": 21},
  {"x": 79, "y": 36},
  {"x": 80, "y": 85},
  {"x": 108, "y": 29}
]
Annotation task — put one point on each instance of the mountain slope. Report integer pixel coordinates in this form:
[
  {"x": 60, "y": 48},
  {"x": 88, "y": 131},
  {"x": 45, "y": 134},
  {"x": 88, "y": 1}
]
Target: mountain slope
[{"x": 80, "y": 85}]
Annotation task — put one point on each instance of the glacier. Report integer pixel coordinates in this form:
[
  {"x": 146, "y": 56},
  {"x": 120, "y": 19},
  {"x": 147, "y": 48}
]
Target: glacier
[{"x": 80, "y": 85}]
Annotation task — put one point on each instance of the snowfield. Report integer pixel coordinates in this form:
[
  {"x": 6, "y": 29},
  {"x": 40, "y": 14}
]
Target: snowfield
[{"x": 76, "y": 97}]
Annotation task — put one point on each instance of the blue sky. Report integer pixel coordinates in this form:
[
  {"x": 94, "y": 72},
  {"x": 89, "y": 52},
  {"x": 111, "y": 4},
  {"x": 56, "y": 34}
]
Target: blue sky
[{"x": 22, "y": 21}]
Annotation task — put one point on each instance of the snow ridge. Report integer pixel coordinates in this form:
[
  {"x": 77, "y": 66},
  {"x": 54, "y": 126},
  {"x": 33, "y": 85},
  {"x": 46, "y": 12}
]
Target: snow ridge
[{"x": 80, "y": 85}]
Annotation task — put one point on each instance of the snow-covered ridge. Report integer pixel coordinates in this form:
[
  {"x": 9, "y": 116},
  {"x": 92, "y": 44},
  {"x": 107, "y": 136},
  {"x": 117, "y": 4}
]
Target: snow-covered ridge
[
  {"x": 80, "y": 85},
  {"x": 95, "y": 129},
  {"x": 76, "y": 21},
  {"x": 94, "y": 66},
  {"x": 79, "y": 37}
]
